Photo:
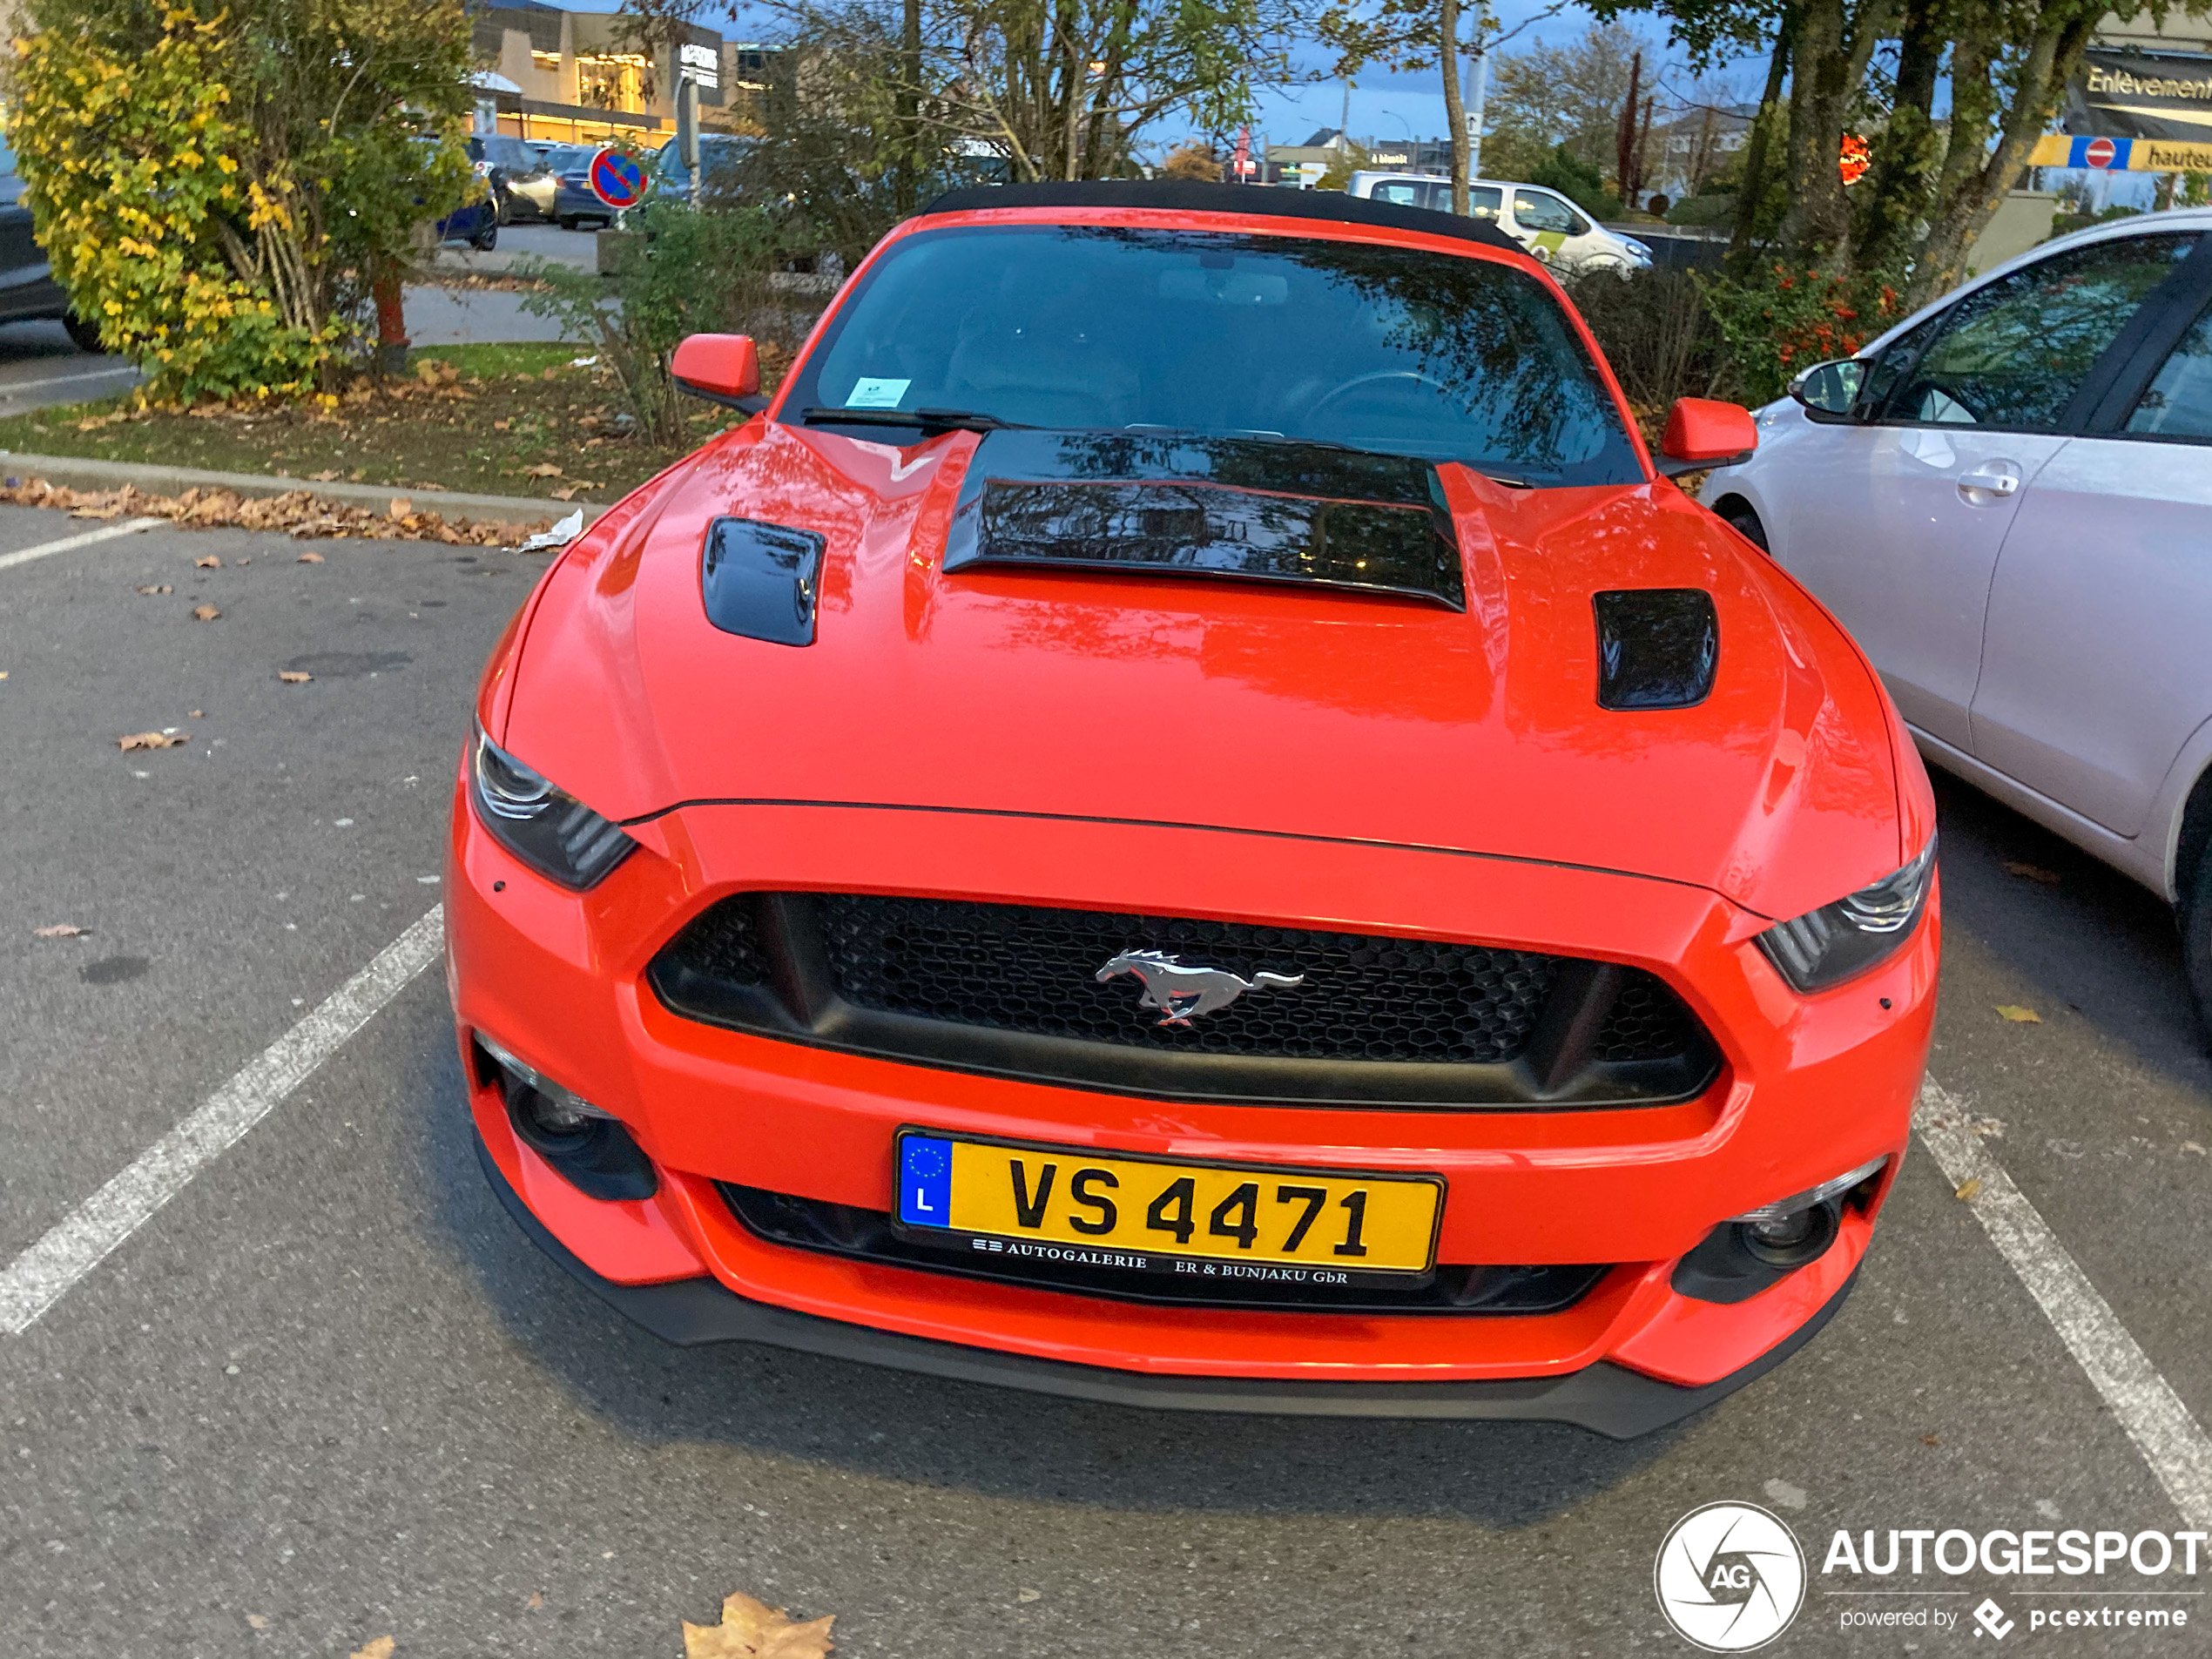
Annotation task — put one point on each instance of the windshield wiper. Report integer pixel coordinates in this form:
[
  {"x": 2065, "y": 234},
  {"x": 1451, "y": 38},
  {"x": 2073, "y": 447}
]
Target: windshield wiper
[
  {"x": 1255, "y": 435},
  {"x": 928, "y": 420}
]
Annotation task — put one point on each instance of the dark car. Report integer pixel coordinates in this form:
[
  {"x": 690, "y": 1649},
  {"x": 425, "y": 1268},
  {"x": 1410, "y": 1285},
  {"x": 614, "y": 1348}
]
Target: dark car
[
  {"x": 571, "y": 164},
  {"x": 27, "y": 291},
  {"x": 476, "y": 224},
  {"x": 523, "y": 187},
  {"x": 719, "y": 154}
]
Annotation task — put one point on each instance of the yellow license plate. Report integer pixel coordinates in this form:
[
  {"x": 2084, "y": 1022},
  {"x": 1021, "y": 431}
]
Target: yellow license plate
[{"x": 1143, "y": 1213}]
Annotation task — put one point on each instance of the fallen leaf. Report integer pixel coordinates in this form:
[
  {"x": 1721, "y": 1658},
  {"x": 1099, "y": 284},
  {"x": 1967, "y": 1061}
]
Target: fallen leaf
[
  {"x": 204, "y": 613},
  {"x": 2034, "y": 873},
  {"x": 566, "y": 492},
  {"x": 380, "y": 1649},
  {"x": 401, "y": 507},
  {"x": 162, "y": 587},
  {"x": 208, "y": 561},
  {"x": 196, "y": 714},
  {"x": 551, "y": 374},
  {"x": 148, "y": 740},
  {"x": 294, "y": 676},
  {"x": 325, "y": 475},
  {"x": 1028, "y": 1596},
  {"x": 544, "y": 469},
  {"x": 2018, "y": 1015},
  {"x": 308, "y": 558},
  {"x": 70, "y": 930},
  {"x": 257, "y": 1621},
  {"x": 1931, "y": 1439},
  {"x": 536, "y": 1602},
  {"x": 751, "y": 1630},
  {"x": 2191, "y": 1146},
  {"x": 501, "y": 425},
  {"x": 1966, "y": 1190}
]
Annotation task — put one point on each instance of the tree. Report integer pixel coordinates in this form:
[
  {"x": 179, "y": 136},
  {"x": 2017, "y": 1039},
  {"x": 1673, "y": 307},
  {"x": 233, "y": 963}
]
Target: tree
[
  {"x": 1060, "y": 88},
  {"x": 1414, "y": 35},
  {"x": 220, "y": 194},
  {"x": 1572, "y": 96}
]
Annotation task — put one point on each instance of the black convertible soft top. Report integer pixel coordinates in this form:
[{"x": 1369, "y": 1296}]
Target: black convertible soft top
[{"x": 1190, "y": 196}]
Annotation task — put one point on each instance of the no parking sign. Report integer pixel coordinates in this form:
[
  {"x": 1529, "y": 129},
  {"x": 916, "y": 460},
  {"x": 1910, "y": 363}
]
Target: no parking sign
[{"x": 616, "y": 179}]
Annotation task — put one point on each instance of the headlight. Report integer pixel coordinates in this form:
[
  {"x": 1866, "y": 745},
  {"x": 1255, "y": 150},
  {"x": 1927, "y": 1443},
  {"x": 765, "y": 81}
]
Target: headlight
[
  {"x": 1635, "y": 247},
  {"x": 546, "y": 827},
  {"x": 1828, "y": 945}
]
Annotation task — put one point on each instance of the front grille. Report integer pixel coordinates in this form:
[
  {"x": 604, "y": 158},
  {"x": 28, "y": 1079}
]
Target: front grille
[
  {"x": 1349, "y": 1019},
  {"x": 867, "y": 1235},
  {"x": 1019, "y": 967}
]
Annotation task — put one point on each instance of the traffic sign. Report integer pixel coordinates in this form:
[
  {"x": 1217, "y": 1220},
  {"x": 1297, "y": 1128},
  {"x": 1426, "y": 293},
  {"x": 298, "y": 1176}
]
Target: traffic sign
[
  {"x": 616, "y": 179},
  {"x": 2100, "y": 153}
]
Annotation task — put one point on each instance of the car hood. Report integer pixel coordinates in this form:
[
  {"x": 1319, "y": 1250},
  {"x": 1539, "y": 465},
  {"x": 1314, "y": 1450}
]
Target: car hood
[{"x": 1297, "y": 710}]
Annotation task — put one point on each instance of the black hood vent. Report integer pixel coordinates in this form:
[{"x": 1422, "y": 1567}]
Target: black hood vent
[
  {"x": 1657, "y": 648},
  {"x": 1174, "y": 504},
  {"x": 760, "y": 580}
]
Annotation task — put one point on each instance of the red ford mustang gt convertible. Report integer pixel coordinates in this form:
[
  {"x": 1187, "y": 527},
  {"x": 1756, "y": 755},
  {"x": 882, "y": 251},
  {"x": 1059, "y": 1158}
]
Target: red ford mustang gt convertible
[{"x": 1186, "y": 817}]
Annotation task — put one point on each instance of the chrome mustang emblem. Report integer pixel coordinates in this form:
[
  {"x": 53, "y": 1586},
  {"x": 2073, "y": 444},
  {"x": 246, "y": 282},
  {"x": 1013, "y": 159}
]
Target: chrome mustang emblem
[{"x": 1182, "y": 993}]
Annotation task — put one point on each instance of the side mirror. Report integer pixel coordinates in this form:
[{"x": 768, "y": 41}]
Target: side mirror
[
  {"x": 722, "y": 368},
  {"x": 1704, "y": 433},
  {"x": 1828, "y": 390}
]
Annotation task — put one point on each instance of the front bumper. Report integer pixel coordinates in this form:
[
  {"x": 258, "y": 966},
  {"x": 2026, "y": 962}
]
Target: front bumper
[
  {"x": 1808, "y": 1088},
  {"x": 1609, "y": 1399}
]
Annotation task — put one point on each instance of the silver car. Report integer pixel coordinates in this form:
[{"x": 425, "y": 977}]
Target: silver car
[{"x": 2007, "y": 499}]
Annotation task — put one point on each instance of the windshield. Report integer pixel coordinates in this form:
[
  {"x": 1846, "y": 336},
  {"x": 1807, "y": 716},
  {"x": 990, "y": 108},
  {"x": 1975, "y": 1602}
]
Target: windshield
[{"x": 1389, "y": 349}]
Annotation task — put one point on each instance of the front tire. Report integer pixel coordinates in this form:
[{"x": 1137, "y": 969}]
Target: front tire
[
  {"x": 82, "y": 334},
  {"x": 487, "y": 239},
  {"x": 1738, "y": 515},
  {"x": 2195, "y": 917}
]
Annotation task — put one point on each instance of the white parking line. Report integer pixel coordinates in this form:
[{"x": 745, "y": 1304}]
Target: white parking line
[
  {"x": 2171, "y": 1440},
  {"x": 12, "y": 388},
  {"x": 105, "y": 533},
  {"x": 42, "y": 1274}
]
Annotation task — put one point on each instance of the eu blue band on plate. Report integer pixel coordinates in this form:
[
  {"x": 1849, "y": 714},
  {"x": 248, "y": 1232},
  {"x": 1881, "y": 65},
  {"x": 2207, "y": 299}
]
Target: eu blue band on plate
[{"x": 925, "y": 1181}]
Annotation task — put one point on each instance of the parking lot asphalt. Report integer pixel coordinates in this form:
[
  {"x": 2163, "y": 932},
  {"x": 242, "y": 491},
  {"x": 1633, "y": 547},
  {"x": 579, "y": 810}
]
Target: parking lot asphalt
[
  {"x": 329, "y": 1392},
  {"x": 40, "y": 366}
]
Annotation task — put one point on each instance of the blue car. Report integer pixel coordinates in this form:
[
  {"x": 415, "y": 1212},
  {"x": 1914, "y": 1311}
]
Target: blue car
[{"x": 478, "y": 223}]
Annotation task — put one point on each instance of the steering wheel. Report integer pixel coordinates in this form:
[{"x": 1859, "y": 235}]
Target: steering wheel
[{"x": 1353, "y": 385}]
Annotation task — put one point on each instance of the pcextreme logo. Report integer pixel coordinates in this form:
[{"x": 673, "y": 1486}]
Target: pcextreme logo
[{"x": 1729, "y": 1577}]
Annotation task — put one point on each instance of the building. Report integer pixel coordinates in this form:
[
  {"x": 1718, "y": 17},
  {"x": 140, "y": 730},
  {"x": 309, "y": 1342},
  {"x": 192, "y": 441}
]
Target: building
[
  {"x": 1690, "y": 151},
  {"x": 578, "y": 77},
  {"x": 1301, "y": 165}
]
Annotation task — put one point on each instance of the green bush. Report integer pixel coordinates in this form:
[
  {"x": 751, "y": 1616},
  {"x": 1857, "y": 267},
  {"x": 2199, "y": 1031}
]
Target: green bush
[
  {"x": 1578, "y": 181},
  {"x": 217, "y": 194},
  {"x": 681, "y": 273},
  {"x": 1662, "y": 338},
  {"x": 1783, "y": 319},
  {"x": 1717, "y": 209}
]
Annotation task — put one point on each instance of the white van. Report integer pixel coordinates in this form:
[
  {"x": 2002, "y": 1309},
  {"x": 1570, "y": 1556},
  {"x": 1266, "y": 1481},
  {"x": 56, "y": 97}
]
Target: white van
[{"x": 1552, "y": 228}]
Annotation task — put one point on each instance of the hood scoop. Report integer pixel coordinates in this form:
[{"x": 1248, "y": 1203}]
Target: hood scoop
[
  {"x": 760, "y": 580},
  {"x": 1249, "y": 509},
  {"x": 1657, "y": 648}
]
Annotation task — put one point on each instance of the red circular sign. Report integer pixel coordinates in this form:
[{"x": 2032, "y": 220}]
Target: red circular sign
[
  {"x": 616, "y": 179},
  {"x": 2100, "y": 153}
]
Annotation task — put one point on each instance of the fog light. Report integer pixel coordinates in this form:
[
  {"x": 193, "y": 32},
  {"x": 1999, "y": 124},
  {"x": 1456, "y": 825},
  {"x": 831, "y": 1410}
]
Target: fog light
[
  {"x": 587, "y": 1146},
  {"x": 557, "y": 1110},
  {"x": 1794, "y": 1239}
]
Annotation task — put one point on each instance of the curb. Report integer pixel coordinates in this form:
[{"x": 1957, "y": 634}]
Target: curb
[{"x": 84, "y": 474}]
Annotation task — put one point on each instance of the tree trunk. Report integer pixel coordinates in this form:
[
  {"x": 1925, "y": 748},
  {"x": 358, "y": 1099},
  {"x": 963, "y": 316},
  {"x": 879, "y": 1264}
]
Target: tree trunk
[
  {"x": 1624, "y": 135},
  {"x": 906, "y": 183},
  {"x": 1896, "y": 185},
  {"x": 1968, "y": 195},
  {"x": 1447, "y": 57},
  {"x": 1819, "y": 94},
  {"x": 1758, "y": 148}
]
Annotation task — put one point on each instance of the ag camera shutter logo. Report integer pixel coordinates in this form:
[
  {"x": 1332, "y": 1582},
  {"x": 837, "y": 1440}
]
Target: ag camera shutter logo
[{"x": 1729, "y": 1577}]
